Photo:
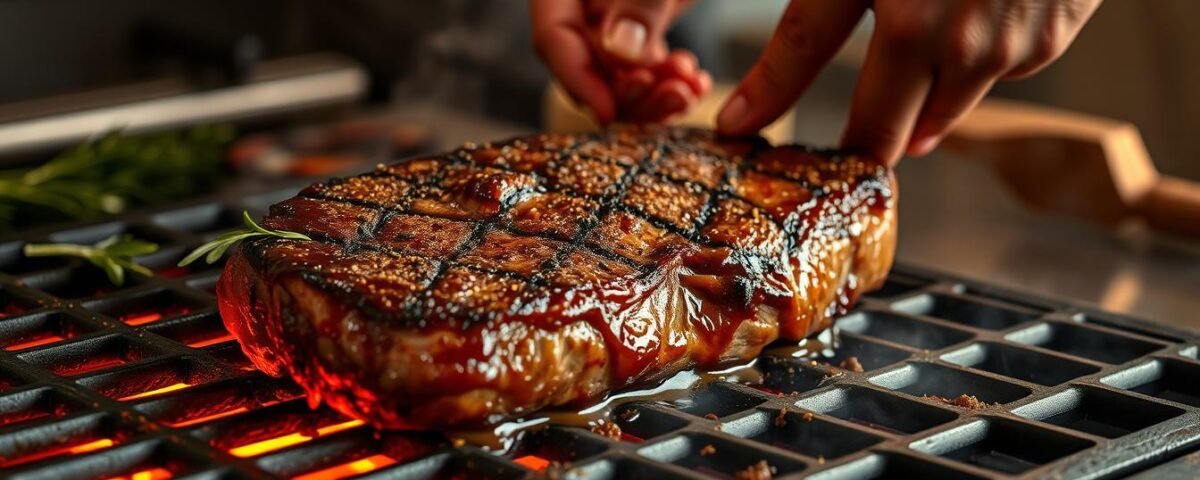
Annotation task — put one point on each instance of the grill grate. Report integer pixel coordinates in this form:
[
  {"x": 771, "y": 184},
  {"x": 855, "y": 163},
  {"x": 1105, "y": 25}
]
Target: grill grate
[{"x": 143, "y": 382}]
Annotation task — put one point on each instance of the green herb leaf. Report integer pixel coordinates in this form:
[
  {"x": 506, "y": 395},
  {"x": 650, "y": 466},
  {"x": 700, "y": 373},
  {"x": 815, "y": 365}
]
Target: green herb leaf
[
  {"x": 114, "y": 255},
  {"x": 216, "y": 248}
]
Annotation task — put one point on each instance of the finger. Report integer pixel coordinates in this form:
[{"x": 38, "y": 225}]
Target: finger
[
  {"x": 892, "y": 87},
  {"x": 1055, "y": 31},
  {"x": 635, "y": 30},
  {"x": 953, "y": 95},
  {"x": 808, "y": 35},
  {"x": 683, "y": 65},
  {"x": 559, "y": 40},
  {"x": 630, "y": 85},
  {"x": 669, "y": 98}
]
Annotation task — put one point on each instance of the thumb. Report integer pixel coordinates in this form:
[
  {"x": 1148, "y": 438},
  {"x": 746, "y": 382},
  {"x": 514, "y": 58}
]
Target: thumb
[{"x": 635, "y": 30}]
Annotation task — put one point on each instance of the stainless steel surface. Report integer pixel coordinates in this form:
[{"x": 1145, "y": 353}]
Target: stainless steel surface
[
  {"x": 955, "y": 216},
  {"x": 286, "y": 86}
]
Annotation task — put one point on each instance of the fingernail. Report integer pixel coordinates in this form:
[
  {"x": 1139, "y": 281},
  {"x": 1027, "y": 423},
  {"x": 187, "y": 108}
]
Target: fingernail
[
  {"x": 731, "y": 116},
  {"x": 626, "y": 38},
  {"x": 923, "y": 146}
]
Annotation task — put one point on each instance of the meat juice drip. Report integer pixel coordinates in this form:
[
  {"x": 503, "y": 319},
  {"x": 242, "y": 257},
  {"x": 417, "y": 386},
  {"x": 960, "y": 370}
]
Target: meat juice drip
[{"x": 505, "y": 435}]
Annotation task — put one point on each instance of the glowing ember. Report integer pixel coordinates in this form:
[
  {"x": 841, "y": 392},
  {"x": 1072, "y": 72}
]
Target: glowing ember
[
  {"x": 350, "y": 469},
  {"x": 209, "y": 418},
  {"x": 54, "y": 452},
  {"x": 157, "y": 391},
  {"x": 272, "y": 444},
  {"x": 34, "y": 343},
  {"x": 142, "y": 317},
  {"x": 533, "y": 462},
  {"x": 148, "y": 474},
  {"x": 211, "y": 341}
]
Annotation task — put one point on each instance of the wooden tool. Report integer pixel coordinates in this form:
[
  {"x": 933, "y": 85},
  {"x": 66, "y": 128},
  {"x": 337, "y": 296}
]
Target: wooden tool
[{"x": 1082, "y": 165}]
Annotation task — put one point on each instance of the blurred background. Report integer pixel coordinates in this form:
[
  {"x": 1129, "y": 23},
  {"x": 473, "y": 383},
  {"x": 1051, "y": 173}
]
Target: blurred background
[{"x": 312, "y": 86}]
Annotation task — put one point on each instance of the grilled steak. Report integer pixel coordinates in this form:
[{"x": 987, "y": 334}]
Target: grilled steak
[{"x": 502, "y": 278}]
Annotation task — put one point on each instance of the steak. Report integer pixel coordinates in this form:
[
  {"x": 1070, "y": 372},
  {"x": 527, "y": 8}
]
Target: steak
[{"x": 502, "y": 278}]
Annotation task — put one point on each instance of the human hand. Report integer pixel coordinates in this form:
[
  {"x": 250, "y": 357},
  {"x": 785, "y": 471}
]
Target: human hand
[
  {"x": 612, "y": 56},
  {"x": 928, "y": 64}
]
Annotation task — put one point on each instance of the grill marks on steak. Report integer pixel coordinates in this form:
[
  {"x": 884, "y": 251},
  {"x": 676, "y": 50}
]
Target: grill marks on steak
[{"x": 503, "y": 278}]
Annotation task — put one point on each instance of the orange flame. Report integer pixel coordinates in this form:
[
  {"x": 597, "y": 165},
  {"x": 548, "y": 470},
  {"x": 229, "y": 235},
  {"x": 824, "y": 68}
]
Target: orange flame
[
  {"x": 272, "y": 444},
  {"x": 349, "y": 469}
]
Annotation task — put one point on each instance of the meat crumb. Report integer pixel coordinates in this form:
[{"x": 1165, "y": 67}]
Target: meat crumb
[
  {"x": 820, "y": 459},
  {"x": 458, "y": 442},
  {"x": 708, "y": 450},
  {"x": 851, "y": 363},
  {"x": 758, "y": 471},
  {"x": 781, "y": 419},
  {"x": 608, "y": 429},
  {"x": 968, "y": 402},
  {"x": 711, "y": 416},
  {"x": 629, "y": 415},
  {"x": 807, "y": 416}
]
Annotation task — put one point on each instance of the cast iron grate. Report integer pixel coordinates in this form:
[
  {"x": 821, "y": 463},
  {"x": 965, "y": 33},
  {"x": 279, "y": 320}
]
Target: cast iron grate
[{"x": 143, "y": 382}]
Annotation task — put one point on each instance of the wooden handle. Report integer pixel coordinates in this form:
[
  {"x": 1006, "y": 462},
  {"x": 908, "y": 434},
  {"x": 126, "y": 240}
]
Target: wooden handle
[
  {"x": 1173, "y": 205},
  {"x": 1087, "y": 166}
]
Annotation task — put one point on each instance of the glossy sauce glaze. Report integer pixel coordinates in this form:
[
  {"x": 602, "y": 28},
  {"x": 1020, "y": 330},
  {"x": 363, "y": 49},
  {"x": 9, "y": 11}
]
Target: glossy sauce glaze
[{"x": 498, "y": 280}]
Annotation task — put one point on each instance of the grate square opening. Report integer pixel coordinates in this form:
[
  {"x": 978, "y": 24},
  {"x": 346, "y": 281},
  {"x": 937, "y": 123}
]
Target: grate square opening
[
  {"x": 1019, "y": 363},
  {"x": 14, "y": 262},
  {"x": 717, "y": 455},
  {"x": 74, "y": 435},
  {"x": 640, "y": 422},
  {"x": 34, "y": 404},
  {"x": 93, "y": 354},
  {"x": 165, "y": 263},
  {"x": 138, "y": 460},
  {"x": 8, "y": 381},
  {"x": 927, "y": 379},
  {"x": 83, "y": 281},
  {"x": 1001, "y": 445},
  {"x": 196, "y": 331},
  {"x": 803, "y": 433},
  {"x": 715, "y": 399},
  {"x": 144, "y": 381},
  {"x": 206, "y": 283},
  {"x": 38, "y": 329},
  {"x": 146, "y": 307},
  {"x": 891, "y": 465},
  {"x": 868, "y": 354},
  {"x": 1166, "y": 378},
  {"x": 207, "y": 220},
  {"x": 877, "y": 410},
  {"x": 1023, "y": 302},
  {"x": 463, "y": 463},
  {"x": 902, "y": 329},
  {"x": 556, "y": 445},
  {"x": 1098, "y": 412},
  {"x": 213, "y": 402},
  {"x": 12, "y": 304},
  {"x": 1096, "y": 319},
  {"x": 351, "y": 457},
  {"x": 788, "y": 376},
  {"x": 1084, "y": 342},
  {"x": 964, "y": 310},
  {"x": 274, "y": 428},
  {"x": 621, "y": 468},
  {"x": 898, "y": 284}
]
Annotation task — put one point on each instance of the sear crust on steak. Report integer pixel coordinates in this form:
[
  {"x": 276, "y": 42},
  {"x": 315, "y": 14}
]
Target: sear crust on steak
[{"x": 502, "y": 278}]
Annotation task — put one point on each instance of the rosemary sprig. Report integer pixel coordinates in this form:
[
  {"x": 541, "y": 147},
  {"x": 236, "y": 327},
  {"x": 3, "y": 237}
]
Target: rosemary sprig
[
  {"x": 114, "y": 254},
  {"x": 215, "y": 249}
]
